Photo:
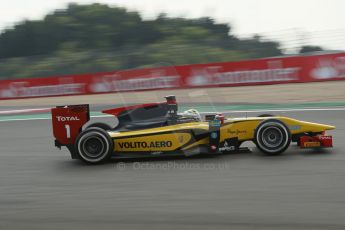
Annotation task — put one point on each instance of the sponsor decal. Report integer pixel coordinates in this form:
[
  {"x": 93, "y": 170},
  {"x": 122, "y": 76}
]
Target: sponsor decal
[
  {"x": 227, "y": 147},
  {"x": 23, "y": 89},
  {"x": 295, "y": 127},
  {"x": 311, "y": 144},
  {"x": 214, "y": 123},
  {"x": 161, "y": 142},
  {"x": 257, "y": 76},
  {"x": 329, "y": 68},
  {"x": 214, "y": 135},
  {"x": 236, "y": 132},
  {"x": 202, "y": 76},
  {"x": 325, "y": 137},
  {"x": 60, "y": 118},
  {"x": 216, "y": 76},
  {"x": 115, "y": 83},
  {"x": 143, "y": 144}
]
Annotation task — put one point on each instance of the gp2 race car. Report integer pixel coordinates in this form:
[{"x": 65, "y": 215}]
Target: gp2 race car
[{"x": 157, "y": 129}]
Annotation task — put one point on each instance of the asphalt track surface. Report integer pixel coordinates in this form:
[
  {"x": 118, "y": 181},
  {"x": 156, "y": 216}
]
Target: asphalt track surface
[{"x": 42, "y": 188}]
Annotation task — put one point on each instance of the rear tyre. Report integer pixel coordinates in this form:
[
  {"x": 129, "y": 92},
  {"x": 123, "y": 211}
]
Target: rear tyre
[
  {"x": 272, "y": 137},
  {"x": 94, "y": 146}
]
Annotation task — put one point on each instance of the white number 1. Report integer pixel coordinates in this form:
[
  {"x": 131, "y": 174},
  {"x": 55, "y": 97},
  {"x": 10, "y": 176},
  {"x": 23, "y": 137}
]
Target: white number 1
[{"x": 68, "y": 131}]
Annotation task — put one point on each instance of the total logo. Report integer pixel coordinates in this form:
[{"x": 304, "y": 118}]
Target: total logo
[{"x": 74, "y": 118}]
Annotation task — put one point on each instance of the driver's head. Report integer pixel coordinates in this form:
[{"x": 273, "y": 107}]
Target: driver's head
[{"x": 193, "y": 113}]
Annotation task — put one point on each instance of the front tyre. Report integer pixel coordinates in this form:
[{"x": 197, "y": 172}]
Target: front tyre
[
  {"x": 272, "y": 137},
  {"x": 94, "y": 145}
]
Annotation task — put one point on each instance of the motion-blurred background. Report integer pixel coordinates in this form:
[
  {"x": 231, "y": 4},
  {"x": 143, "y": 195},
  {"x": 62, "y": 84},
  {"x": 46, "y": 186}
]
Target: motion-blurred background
[
  {"x": 58, "y": 48},
  {"x": 47, "y": 38}
]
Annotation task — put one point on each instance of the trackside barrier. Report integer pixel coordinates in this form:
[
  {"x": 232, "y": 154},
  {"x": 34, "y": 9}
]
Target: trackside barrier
[{"x": 325, "y": 67}]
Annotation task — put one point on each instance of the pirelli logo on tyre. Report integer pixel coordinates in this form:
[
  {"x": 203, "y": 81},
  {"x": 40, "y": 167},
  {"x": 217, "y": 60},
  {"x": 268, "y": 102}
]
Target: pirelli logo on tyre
[{"x": 163, "y": 142}]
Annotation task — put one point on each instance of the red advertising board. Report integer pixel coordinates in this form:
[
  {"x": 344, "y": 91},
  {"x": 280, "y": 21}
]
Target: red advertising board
[{"x": 252, "y": 72}]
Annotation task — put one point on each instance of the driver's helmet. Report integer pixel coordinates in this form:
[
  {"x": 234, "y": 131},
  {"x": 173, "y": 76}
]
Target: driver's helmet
[{"x": 192, "y": 113}]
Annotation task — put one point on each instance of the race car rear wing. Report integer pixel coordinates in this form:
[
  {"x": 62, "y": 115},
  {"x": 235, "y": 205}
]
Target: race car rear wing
[
  {"x": 68, "y": 120},
  {"x": 67, "y": 123}
]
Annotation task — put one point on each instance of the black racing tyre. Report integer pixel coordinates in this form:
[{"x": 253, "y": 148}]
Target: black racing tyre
[
  {"x": 94, "y": 145},
  {"x": 272, "y": 137},
  {"x": 100, "y": 125}
]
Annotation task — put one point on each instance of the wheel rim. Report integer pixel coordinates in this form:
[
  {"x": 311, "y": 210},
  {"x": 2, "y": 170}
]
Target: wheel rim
[
  {"x": 272, "y": 137},
  {"x": 93, "y": 147}
]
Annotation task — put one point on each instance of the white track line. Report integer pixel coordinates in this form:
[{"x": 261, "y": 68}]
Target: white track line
[
  {"x": 23, "y": 111},
  {"x": 225, "y": 112},
  {"x": 281, "y": 110},
  {"x": 27, "y": 119}
]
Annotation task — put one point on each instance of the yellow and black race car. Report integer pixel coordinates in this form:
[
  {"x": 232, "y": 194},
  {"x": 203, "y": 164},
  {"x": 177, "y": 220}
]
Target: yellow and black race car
[{"x": 157, "y": 129}]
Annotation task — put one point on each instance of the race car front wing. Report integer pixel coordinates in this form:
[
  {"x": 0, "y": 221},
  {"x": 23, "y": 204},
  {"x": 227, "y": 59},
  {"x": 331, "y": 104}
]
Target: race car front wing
[{"x": 318, "y": 141}]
